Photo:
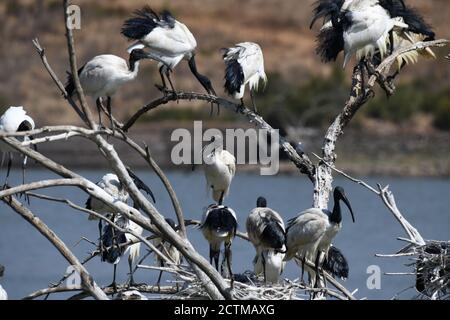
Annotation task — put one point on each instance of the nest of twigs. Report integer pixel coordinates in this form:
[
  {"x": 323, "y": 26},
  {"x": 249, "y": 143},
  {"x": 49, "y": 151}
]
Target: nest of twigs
[{"x": 433, "y": 270}]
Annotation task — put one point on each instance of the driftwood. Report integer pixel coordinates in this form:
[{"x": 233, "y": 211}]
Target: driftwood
[{"x": 197, "y": 278}]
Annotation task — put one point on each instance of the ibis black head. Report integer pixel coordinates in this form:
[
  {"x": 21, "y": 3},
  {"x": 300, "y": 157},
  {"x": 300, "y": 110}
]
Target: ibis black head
[
  {"x": 25, "y": 126},
  {"x": 261, "y": 202},
  {"x": 172, "y": 224},
  {"x": 168, "y": 18},
  {"x": 2, "y": 270},
  {"x": 327, "y": 9},
  {"x": 339, "y": 194},
  {"x": 138, "y": 54}
]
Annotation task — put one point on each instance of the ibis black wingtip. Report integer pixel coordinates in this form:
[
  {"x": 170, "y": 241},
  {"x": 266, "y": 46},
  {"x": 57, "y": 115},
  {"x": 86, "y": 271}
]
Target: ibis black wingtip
[{"x": 140, "y": 184}]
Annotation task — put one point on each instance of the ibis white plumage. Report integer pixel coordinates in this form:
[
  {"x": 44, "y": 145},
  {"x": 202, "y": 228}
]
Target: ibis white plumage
[
  {"x": 219, "y": 168},
  {"x": 15, "y": 119},
  {"x": 3, "y": 293},
  {"x": 368, "y": 27},
  {"x": 219, "y": 225},
  {"x": 312, "y": 231},
  {"x": 266, "y": 231},
  {"x": 168, "y": 39},
  {"x": 103, "y": 75},
  {"x": 244, "y": 66},
  {"x": 167, "y": 249}
]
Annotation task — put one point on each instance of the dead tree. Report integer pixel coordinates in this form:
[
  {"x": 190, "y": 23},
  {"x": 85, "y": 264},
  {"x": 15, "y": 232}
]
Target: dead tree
[{"x": 201, "y": 278}]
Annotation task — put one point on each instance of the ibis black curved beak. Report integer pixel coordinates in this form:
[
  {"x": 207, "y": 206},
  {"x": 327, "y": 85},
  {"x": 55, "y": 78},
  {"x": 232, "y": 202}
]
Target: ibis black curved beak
[
  {"x": 204, "y": 81},
  {"x": 347, "y": 203}
]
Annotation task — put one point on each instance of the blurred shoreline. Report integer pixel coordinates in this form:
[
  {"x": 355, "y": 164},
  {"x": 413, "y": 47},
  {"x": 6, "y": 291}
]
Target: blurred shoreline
[{"x": 402, "y": 154}]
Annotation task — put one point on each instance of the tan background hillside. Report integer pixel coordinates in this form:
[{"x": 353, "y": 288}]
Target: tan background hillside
[{"x": 280, "y": 26}]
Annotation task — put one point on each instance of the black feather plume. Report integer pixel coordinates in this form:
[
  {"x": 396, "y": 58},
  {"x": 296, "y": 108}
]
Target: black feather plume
[
  {"x": 144, "y": 21},
  {"x": 273, "y": 236},
  {"x": 411, "y": 17},
  {"x": 140, "y": 184},
  {"x": 234, "y": 74},
  {"x": 330, "y": 42},
  {"x": 336, "y": 264},
  {"x": 325, "y": 9}
]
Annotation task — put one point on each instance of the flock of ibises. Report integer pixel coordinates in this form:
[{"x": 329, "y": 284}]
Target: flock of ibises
[{"x": 367, "y": 29}]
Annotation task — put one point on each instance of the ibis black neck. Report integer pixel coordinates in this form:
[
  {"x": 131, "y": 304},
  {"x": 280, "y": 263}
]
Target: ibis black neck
[
  {"x": 133, "y": 63},
  {"x": 336, "y": 215}
]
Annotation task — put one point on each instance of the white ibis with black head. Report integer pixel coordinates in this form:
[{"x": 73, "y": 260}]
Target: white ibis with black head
[
  {"x": 244, "y": 65},
  {"x": 219, "y": 225},
  {"x": 266, "y": 231},
  {"x": 166, "y": 248},
  {"x": 310, "y": 234},
  {"x": 15, "y": 119},
  {"x": 112, "y": 185},
  {"x": 168, "y": 39},
  {"x": 103, "y": 75},
  {"x": 369, "y": 27},
  {"x": 219, "y": 168},
  {"x": 3, "y": 293},
  {"x": 114, "y": 243}
]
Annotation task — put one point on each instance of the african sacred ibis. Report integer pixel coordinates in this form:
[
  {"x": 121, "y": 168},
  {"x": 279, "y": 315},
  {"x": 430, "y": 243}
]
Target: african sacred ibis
[
  {"x": 266, "y": 232},
  {"x": 219, "y": 225},
  {"x": 15, "y": 119},
  {"x": 219, "y": 168},
  {"x": 3, "y": 293},
  {"x": 168, "y": 39},
  {"x": 167, "y": 249},
  {"x": 366, "y": 27},
  {"x": 114, "y": 242},
  {"x": 103, "y": 75},
  {"x": 244, "y": 65},
  {"x": 111, "y": 184},
  {"x": 310, "y": 234}
]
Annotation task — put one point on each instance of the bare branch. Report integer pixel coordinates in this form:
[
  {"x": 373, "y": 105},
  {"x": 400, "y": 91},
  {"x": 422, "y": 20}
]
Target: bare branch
[
  {"x": 88, "y": 282},
  {"x": 58, "y": 83},
  {"x": 360, "y": 94},
  {"x": 74, "y": 66},
  {"x": 301, "y": 161}
]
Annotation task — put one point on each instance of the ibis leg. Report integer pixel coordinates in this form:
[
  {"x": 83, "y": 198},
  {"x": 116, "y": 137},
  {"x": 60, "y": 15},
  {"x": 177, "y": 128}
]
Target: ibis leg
[
  {"x": 303, "y": 268},
  {"x": 214, "y": 255},
  {"x": 228, "y": 256},
  {"x": 114, "y": 284},
  {"x": 99, "y": 110},
  {"x": 264, "y": 267},
  {"x": 130, "y": 266},
  {"x": 8, "y": 170},
  {"x": 163, "y": 79},
  {"x": 100, "y": 229},
  {"x": 24, "y": 165},
  {"x": 172, "y": 87},
  {"x": 317, "y": 275},
  {"x": 158, "y": 284},
  {"x": 108, "y": 107},
  {"x": 222, "y": 195}
]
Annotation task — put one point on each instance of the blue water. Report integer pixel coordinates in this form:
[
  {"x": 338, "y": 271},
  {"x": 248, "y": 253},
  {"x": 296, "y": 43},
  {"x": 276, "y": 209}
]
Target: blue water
[{"x": 32, "y": 263}]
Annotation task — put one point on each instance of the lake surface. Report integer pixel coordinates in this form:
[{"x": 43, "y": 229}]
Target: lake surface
[{"x": 32, "y": 263}]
